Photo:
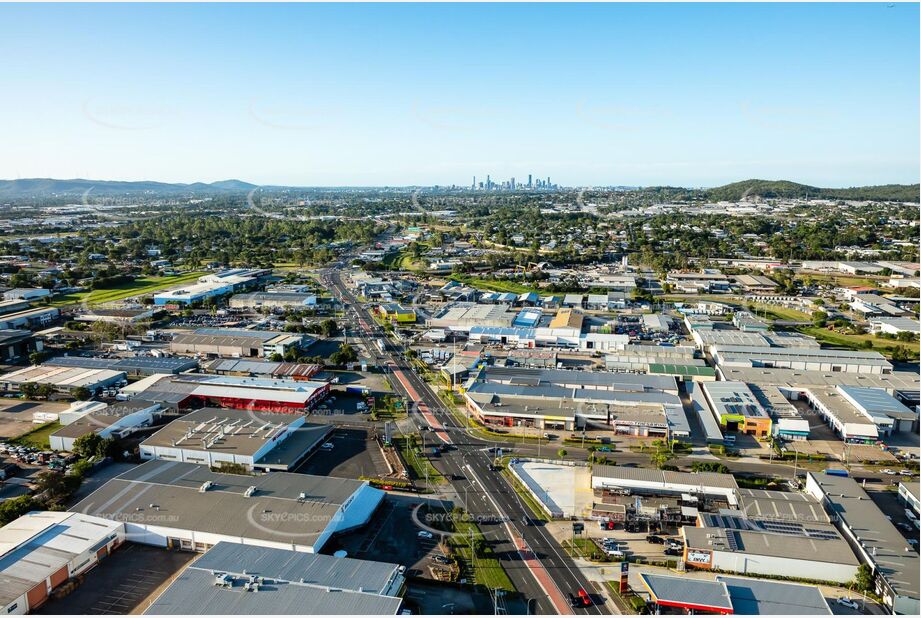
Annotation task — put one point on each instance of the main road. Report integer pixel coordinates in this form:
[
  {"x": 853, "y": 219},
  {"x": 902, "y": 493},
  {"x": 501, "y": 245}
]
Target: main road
[{"x": 534, "y": 560}]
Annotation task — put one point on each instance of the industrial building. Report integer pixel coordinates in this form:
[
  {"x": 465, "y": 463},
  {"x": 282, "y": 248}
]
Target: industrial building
[
  {"x": 116, "y": 420},
  {"x": 394, "y": 312},
  {"x": 115, "y": 316},
  {"x": 875, "y": 539},
  {"x": 905, "y": 386},
  {"x": 273, "y": 300},
  {"x": 133, "y": 366},
  {"x": 266, "y": 395},
  {"x": 29, "y": 318},
  {"x": 706, "y": 338},
  {"x": 211, "y": 285},
  {"x": 857, "y": 414},
  {"x": 16, "y": 344},
  {"x": 910, "y": 495},
  {"x": 737, "y": 408},
  {"x": 806, "y": 359},
  {"x": 237, "y": 343},
  {"x": 219, "y": 436},
  {"x": 551, "y": 398},
  {"x": 665, "y": 482},
  {"x": 734, "y": 595},
  {"x": 261, "y": 368},
  {"x": 62, "y": 379},
  {"x": 187, "y": 506},
  {"x": 233, "y": 579},
  {"x": 26, "y": 293},
  {"x": 736, "y": 544},
  {"x": 43, "y": 549},
  {"x": 462, "y": 316}
]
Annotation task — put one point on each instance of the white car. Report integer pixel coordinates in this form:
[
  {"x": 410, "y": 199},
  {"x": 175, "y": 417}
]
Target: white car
[
  {"x": 906, "y": 472},
  {"x": 425, "y": 534},
  {"x": 889, "y": 472},
  {"x": 327, "y": 446},
  {"x": 846, "y": 602}
]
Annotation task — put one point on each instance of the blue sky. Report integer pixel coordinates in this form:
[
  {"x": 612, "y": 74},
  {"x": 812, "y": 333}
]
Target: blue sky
[{"x": 682, "y": 94}]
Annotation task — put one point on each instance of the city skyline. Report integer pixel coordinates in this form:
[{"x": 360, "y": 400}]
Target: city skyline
[{"x": 399, "y": 95}]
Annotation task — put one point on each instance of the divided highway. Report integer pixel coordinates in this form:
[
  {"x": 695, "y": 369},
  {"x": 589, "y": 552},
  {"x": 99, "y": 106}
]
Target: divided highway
[{"x": 536, "y": 563}]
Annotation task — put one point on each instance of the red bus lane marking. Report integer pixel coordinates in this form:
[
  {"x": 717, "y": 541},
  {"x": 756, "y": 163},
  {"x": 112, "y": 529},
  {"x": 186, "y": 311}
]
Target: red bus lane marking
[{"x": 433, "y": 422}]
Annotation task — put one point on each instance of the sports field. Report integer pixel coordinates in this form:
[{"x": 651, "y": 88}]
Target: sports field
[{"x": 138, "y": 287}]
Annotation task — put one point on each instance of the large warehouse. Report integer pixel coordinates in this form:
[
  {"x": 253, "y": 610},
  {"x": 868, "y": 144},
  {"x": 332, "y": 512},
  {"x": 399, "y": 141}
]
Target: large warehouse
[
  {"x": 133, "y": 366},
  {"x": 219, "y": 436},
  {"x": 665, "y": 482},
  {"x": 236, "y": 342},
  {"x": 173, "y": 504},
  {"x": 286, "y": 582},
  {"x": 63, "y": 379},
  {"x": 876, "y": 540},
  {"x": 211, "y": 285},
  {"x": 773, "y": 548},
  {"x": 43, "y": 549},
  {"x": 550, "y": 398}
]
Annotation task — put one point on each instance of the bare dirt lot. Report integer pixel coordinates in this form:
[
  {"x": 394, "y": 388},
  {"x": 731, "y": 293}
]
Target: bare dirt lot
[
  {"x": 16, "y": 415},
  {"x": 126, "y": 582}
]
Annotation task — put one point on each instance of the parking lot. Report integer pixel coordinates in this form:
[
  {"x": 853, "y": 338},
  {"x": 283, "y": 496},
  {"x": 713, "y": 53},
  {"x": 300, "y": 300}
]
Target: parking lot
[
  {"x": 124, "y": 583},
  {"x": 354, "y": 454},
  {"x": 391, "y": 536}
]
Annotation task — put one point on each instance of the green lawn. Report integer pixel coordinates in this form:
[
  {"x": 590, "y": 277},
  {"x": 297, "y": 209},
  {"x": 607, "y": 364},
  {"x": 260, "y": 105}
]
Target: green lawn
[
  {"x": 417, "y": 460},
  {"x": 38, "y": 437},
  {"x": 495, "y": 286},
  {"x": 483, "y": 567},
  {"x": 138, "y": 287},
  {"x": 856, "y": 342}
]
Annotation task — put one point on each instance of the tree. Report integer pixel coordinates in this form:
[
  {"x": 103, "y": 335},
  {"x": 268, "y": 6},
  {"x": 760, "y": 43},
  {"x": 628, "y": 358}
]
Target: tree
[
  {"x": 14, "y": 508},
  {"x": 863, "y": 581},
  {"x": 81, "y": 393},
  {"x": 29, "y": 390},
  {"x": 819, "y": 318},
  {"x": 87, "y": 445},
  {"x": 344, "y": 355},
  {"x": 36, "y": 358},
  {"x": 661, "y": 458},
  {"x": 329, "y": 328},
  {"x": 45, "y": 390},
  {"x": 899, "y": 354},
  {"x": 561, "y": 453}
]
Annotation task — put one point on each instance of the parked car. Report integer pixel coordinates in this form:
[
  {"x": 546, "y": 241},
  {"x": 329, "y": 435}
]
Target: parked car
[
  {"x": 652, "y": 538},
  {"x": 906, "y": 472},
  {"x": 441, "y": 559},
  {"x": 673, "y": 551},
  {"x": 327, "y": 446},
  {"x": 888, "y": 471},
  {"x": 425, "y": 534},
  {"x": 847, "y": 602}
]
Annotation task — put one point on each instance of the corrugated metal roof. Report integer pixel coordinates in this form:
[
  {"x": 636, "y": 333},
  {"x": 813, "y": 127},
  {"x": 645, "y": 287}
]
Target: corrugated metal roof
[
  {"x": 758, "y": 597},
  {"x": 194, "y": 592},
  {"x": 683, "y": 590}
]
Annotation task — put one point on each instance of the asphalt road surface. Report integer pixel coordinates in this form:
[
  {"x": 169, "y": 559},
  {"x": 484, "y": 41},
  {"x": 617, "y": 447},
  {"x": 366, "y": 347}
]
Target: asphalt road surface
[{"x": 485, "y": 493}]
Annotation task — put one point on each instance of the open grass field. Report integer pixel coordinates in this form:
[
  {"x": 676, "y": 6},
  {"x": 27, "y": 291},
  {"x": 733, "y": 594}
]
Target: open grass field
[
  {"x": 857, "y": 342},
  {"x": 138, "y": 287},
  {"x": 38, "y": 437},
  {"x": 495, "y": 286}
]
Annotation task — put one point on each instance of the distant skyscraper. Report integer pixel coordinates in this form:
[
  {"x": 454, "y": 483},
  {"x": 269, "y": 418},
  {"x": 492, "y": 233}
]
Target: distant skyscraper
[
  {"x": 512, "y": 184},
  {"x": 473, "y": 186},
  {"x": 529, "y": 181}
]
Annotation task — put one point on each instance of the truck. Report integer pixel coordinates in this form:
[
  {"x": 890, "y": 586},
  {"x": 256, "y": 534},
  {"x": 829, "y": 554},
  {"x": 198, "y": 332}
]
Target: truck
[{"x": 836, "y": 472}]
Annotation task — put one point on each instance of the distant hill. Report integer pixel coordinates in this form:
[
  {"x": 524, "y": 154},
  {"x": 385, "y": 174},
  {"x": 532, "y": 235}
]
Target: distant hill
[
  {"x": 787, "y": 189},
  {"x": 43, "y": 187}
]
